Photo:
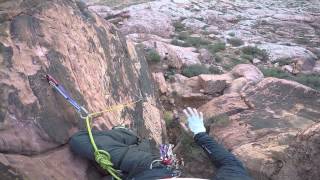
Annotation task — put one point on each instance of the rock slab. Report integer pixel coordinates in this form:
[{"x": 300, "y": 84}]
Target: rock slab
[{"x": 262, "y": 126}]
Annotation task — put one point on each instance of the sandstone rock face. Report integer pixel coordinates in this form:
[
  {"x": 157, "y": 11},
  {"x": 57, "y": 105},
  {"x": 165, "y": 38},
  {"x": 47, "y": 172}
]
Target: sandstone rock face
[
  {"x": 193, "y": 24},
  {"x": 203, "y": 87},
  {"x": 280, "y": 52},
  {"x": 242, "y": 75},
  {"x": 60, "y": 164},
  {"x": 205, "y": 56},
  {"x": 316, "y": 68},
  {"x": 175, "y": 55},
  {"x": 303, "y": 155},
  {"x": 302, "y": 103},
  {"x": 237, "y": 85},
  {"x": 103, "y": 11},
  {"x": 213, "y": 17},
  {"x": 224, "y": 105},
  {"x": 149, "y": 22},
  {"x": 161, "y": 82},
  {"x": 88, "y": 57},
  {"x": 196, "y": 90},
  {"x": 248, "y": 71},
  {"x": 262, "y": 124},
  {"x": 288, "y": 68},
  {"x": 188, "y": 89},
  {"x": 212, "y": 84}
]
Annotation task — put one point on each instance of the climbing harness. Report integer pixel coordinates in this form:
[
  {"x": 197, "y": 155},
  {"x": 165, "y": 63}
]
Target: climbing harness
[
  {"x": 168, "y": 159},
  {"x": 102, "y": 157}
]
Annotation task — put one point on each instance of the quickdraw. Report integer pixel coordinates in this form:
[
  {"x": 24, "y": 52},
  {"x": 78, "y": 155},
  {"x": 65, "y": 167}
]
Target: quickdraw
[{"x": 80, "y": 109}]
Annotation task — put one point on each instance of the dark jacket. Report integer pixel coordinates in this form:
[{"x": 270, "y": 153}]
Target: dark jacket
[
  {"x": 128, "y": 156},
  {"x": 228, "y": 166},
  {"x": 127, "y": 152}
]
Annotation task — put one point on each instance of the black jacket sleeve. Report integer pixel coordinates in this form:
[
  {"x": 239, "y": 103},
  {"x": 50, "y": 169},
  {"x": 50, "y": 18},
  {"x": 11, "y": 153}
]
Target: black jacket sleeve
[{"x": 228, "y": 166}]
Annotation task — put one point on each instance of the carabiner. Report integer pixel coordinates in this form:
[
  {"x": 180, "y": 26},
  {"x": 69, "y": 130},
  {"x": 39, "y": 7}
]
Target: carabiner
[{"x": 83, "y": 113}]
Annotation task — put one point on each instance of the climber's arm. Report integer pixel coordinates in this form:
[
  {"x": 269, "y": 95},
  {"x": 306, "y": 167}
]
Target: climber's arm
[{"x": 229, "y": 167}]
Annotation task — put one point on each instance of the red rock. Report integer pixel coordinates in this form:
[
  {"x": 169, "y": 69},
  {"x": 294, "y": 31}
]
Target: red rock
[
  {"x": 260, "y": 127},
  {"x": 88, "y": 57},
  {"x": 212, "y": 84},
  {"x": 161, "y": 82},
  {"x": 248, "y": 71}
]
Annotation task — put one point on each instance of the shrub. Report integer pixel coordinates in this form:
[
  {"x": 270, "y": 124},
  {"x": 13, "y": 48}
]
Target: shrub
[
  {"x": 197, "y": 41},
  {"x": 215, "y": 70},
  {"x": 232, "y": 34},
  {"x": 218, "y": 58},
  {"x": 174, "y": 93},
  {"x": 250, "y": 50},
  {"x": 181, "y": 43},
  {"x": 199, "y": 18},
  {"x": 188, "y": 144},
  {"x": 178, "y": 26},
  {"x": 302, "y": 40},
  {"x": 195, "y": 70},
  {"x": 311, "y": 80},
  {"x": 247, "y": 57},
  {"x": 227, "y": 66},
  {"x": 192, "y": 41},
  {"x": 169, "y": 73},
  {"x": 255, "y": 52},
  {"x": 153, "y": 56},
  {"x": 205, "y": 32},
  {"x": 235, "y": 42},
  {"x": 214, "y": 48},
  {"x": 284, "y": 61},
  {"x": 205, "y": 27},
  {"x": 168, "y": 117},
  {"x": 183, "y": 35},
  {"x": 275, "y": 72},
  {"x": 232, "y": 61}
]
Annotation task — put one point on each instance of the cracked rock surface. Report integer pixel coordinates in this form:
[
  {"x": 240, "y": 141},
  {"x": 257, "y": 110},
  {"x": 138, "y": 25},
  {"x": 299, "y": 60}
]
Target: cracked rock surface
[
  {"x": 89, "y": 46},
  {"x": 90, "y": 59}
]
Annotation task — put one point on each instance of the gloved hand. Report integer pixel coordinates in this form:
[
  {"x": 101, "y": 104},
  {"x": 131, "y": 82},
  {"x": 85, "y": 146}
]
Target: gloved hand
[{"x": 195, "y": 120}]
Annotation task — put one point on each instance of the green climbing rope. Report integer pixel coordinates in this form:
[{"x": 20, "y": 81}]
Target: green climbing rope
[{"x": 102, "y": 157}]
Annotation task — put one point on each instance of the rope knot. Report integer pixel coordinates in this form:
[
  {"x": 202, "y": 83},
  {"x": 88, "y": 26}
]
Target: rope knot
[{"x": 104, "y": 160}]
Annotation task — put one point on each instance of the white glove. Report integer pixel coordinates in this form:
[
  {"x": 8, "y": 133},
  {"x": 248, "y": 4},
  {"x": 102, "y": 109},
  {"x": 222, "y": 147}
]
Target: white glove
[{"x": 195, "y": 120}]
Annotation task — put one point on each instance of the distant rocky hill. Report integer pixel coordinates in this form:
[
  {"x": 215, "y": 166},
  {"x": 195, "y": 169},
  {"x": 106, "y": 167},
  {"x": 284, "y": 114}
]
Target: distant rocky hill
[{"x": 288, "y": 31}]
